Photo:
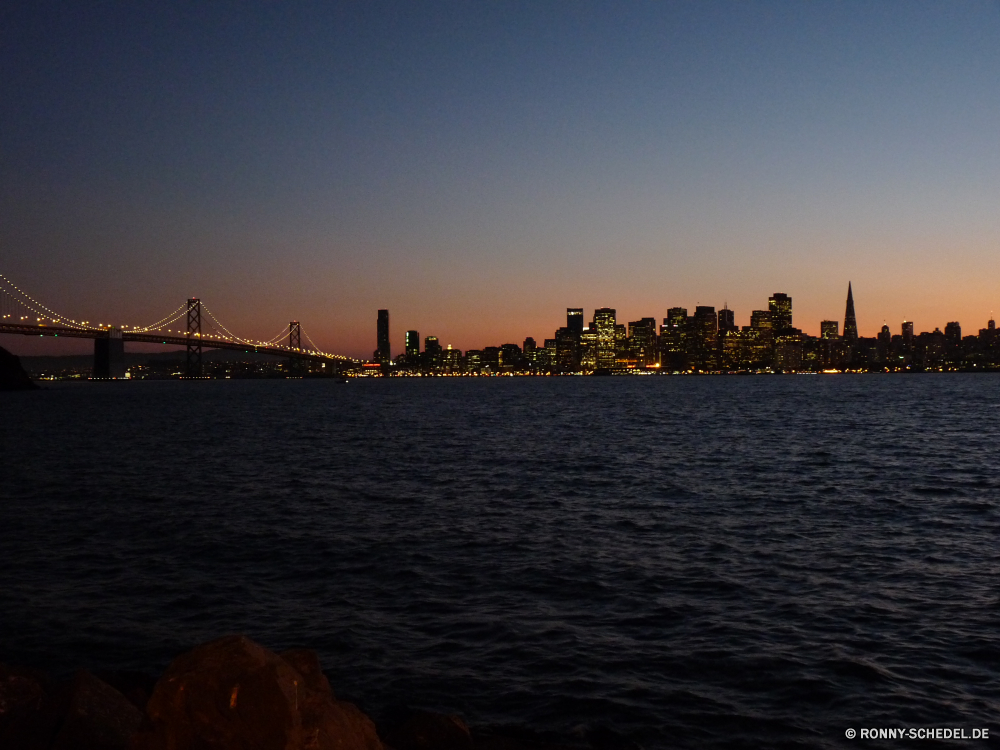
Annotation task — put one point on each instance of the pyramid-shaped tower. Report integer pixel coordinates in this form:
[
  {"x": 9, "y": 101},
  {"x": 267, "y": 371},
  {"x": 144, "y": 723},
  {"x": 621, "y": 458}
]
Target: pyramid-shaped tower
[{"x": 850, "y": 322}]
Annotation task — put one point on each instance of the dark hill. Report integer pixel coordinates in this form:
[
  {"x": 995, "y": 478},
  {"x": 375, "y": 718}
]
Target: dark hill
[{"x": 12, "y": 375}]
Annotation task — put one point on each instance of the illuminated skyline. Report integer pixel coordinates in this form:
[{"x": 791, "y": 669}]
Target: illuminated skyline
[{"x": 475, "y": 170}]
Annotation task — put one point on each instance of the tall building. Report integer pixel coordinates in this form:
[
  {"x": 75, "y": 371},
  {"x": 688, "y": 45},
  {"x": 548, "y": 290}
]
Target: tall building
[
  {"x": 850, "y": 322},
  {"x": 604, "y": 322},
  {"x": 704, "y": 343},
  {"x": 382, "y": 353},
  {"x": 829, "y": 329},
  {"x": 642, "y": 342},
  {"x": 781, "y": 313},
  {"x": 908, "y": 331},
  {"x": 673, "y": 339},
  {"x": 432, "y": 352},
  {"x": 567, "y": 350},
  {"x": 412, "y": 346},
  {"x": 727, "y": 319},
  {"x": 574, "y": 319}
]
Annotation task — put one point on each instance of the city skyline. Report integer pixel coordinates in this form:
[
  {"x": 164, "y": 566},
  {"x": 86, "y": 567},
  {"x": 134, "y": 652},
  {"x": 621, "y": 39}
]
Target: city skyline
[
  {"x": 467, "y": 166},
  {"x": 708, "y": 340},
  {"x": 396, "y": 339}
]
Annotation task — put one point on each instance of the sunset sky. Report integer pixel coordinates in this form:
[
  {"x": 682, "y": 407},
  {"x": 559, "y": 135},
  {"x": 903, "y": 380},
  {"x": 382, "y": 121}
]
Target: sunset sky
[{"x": 476, "y": 168}]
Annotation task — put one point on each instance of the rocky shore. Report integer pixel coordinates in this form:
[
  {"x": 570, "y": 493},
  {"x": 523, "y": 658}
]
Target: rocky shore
[{"x": 228, "y": 694}]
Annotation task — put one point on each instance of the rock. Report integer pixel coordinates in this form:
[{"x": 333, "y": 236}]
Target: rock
[
  {"x": 12, "y": 374},
  {"x": 233, "y": 694},
  {"x": 136, "y": 686},
  {"x": 425, "y": 730},
  {"x": 306, "y": 662},
  {"x": 97, "y": 717},
  {"x": 83, "y": 714},
  {"x": 22, "y": 694}
]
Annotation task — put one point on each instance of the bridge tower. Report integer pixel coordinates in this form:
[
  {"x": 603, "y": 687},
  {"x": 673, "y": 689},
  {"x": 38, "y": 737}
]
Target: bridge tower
[
  {"x": 194, "y": 369},
  {"x": 109, "y": 355},
  {"x": 295, "y": 344}
]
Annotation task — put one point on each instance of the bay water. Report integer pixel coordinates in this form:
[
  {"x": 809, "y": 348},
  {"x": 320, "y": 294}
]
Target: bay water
[{"x": 706, "y": 562}]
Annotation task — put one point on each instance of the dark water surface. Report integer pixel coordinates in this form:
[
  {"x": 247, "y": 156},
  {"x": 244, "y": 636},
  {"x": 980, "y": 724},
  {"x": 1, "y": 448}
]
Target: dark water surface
[{"x": 690, "y": 562}]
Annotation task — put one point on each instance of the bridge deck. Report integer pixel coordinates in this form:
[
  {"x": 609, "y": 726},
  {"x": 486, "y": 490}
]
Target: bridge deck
[{"x": 156, "y": 338}]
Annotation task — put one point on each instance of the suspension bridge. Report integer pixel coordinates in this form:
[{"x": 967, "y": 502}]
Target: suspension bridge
[{"x": 195, "y": 328}]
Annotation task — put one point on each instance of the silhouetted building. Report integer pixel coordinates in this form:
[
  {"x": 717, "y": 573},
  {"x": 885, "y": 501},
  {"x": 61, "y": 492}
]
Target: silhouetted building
[
  {"x": 551, "y": 353},
  {"x": 383, "y": 354},
  {"x": 412, "y": 346},
  {"x": 432, "y": 353},
  {"x": 908, "y": 332},
  {"x": 829, "y": 329},
  {"x": 473, "y": 360},
  {"x": 850, "y": 322},
  {"x": 727, "y": 320},
  {"x": 451, "y": 359},
  {"x": 780, "y": 306},
  {"x": 511, "y": 358},
  {"x": 642, "y": 342},
  {"x": 673, "y": 339},
  {"x": 574, "y": 319},
  {"x": 703, "y": 344},
  {"x": 761, "y": 322},
  {"x": 567, "y": 346},
  {"x": 491, "y": 359}
]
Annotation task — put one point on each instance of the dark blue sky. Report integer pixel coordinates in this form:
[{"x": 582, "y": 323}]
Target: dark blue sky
[{"x": 477, "y": 168}]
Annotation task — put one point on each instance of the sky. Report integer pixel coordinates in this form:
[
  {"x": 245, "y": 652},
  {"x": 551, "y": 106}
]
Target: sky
[{"x": 477, "y": 168}]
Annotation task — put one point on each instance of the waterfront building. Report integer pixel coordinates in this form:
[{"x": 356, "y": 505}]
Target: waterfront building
[
  {"x": 829, "y": 329},
  {"x": 474, "y": 360},
  {"x": 382, "y": 351},
  {"x": 412, "y": 348},
  {"x": 780, "y": 306},
  {"x": 550, "y": 350},
  {"x": 703, "y": 343},
  {"x": 642, "y": 342},
  {"x": 673, "y": 339},
  {"x": 588, "y": 349},
  {"x": 574, "y": 319},
  {"x": 491, "y": 359},
  {"x": 432, "y": 353},
  {"x": 850, "y": 321},
  {"x": 451, "y": 360},
  {"x": 567, "y": 350},
  {"x": 604, "y": 325},
  {"x": 727, "y": 320},
  {"x": 511, "y": 358}
]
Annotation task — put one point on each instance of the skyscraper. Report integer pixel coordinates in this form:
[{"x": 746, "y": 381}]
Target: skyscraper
[
  {"x": 704, "y": 343},
  {"x": 828, "y": 329},
  {"x": 432, "y": 352},
  {"x": 781, "y": 313},
  {"x": 412, "y": 346},
  {"x": 382, "y": 352},
  {"x": 850, "y": 322},
  {"x": 727, "y": 319},
  {"x": 574, "y": 319},
  {"x": 604, "y": 322}
]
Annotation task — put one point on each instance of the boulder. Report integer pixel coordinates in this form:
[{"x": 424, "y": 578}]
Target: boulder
[
  {"x": 83, "y": 714},
  {"x": 233, "y": 694},
  {"x": 425, "y": 730},
  {"x": 22, "y": 694},
  {"x": 12, "y": 374},
  {"x": 97, "y": 717}
]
